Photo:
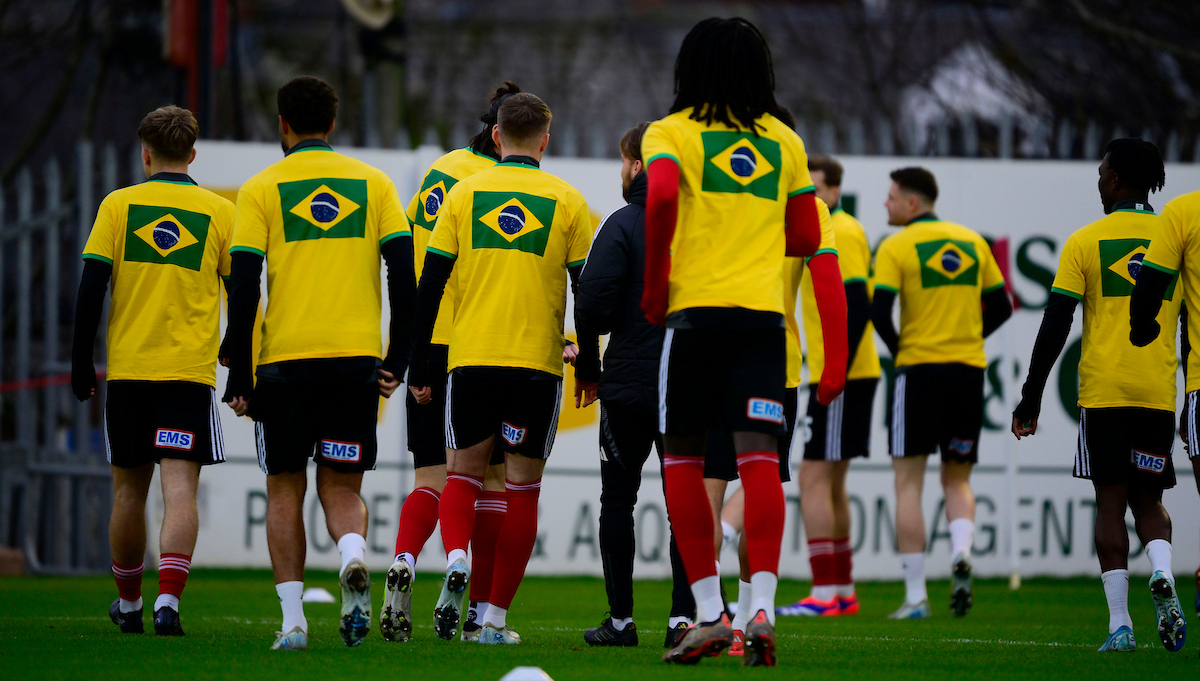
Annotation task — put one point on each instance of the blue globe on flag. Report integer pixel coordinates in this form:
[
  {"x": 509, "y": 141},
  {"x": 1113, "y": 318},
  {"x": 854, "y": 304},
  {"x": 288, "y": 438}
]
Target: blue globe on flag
[
  {"x": 1135, "y": 265},
  {"x": 324, "y": 207},
  {"x": 433, "y": 202},
  {"x": 511, "y": 220},
  {"x": 951, "y": 261},
  {"x": 743, "y": 162},
  {"x": 166, "y": 234}
]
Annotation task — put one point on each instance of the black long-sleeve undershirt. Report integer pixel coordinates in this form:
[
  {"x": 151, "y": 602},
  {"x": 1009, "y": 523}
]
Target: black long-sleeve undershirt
[
  {"x": 89, "y": 307},
  {"x": 881, "y": 317},
  {"x": 402, "y": 293},
  {"x": 1052, "y": 336},
  {"x": 858, "y": 313},
  {"x": 1145, "y": 303},
  {"x": 997, "y": 308}
]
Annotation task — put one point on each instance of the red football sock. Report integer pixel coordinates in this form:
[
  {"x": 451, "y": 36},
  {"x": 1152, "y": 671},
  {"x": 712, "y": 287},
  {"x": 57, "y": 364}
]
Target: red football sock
[
  {"x": 418, "y": 518},
  {"x": 173, "y": 571},
  {"x": 844, "y": 562},
  {"x": 129, "y": 580},
  {"x": 690, "y": 515},
  {"x": 490, "y": 510},
  {"x": 823, "y": 561},
  {"x": 765, "y": 510},
  {"x": 457, "y": 510},
  {"x": 518, "y": 534}
]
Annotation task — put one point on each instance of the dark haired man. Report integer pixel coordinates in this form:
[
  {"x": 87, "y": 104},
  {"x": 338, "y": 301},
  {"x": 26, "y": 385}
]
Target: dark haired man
[
  {"x": 426, "y": 409},
  {"x": 321, "y": 221},
  {"x": 1126, "y": 393},
  {"x": 609, "y": 301},
  {"x": 513, "y": 233},
  {"x": 729, "y": 195},
  {"x": 165, "y": 244},
  {"x": 951, "y": 297}
]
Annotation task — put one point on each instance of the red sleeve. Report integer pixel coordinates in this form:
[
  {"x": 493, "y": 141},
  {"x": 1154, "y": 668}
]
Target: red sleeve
[
  {"x": 662, "y": 210},
  {"x": 830, "y": 296},
  {"x": 802, "y": 225}
]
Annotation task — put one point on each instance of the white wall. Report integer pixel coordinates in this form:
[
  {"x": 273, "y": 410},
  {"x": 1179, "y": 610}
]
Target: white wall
[{"x": 1039, "y": 506}]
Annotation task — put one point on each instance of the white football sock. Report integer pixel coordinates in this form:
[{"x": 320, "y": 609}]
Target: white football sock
[
  {"x": 167, "y": 601},
  {"x": 728, "y": 534},
  {"x": 675, "y": 621},
  {"x": 408, "y": 558},
  {"x": 707, "y": 594},
  {"x": 620, "y": 624},
  {"x": 744, "y": 603},
  {"x": 497, "y": 616},
  {"x": 763, "y": 585},
  {"x": 824, "y": 593},
  {"x": 352, "y": 546},
  {"x": 481, "y": 610},
  {"x": 290, "y": 594},
  {"x": 130, "y": 606},
  {"x": 1116, "y": 590},
  {"x": 1159, "y": 553},
  {"x": 914, "y": 577},
  {"x": 453, "y": 555},
  {"x": 962, "y": 537},
  {"x": 844, "y": 590}
]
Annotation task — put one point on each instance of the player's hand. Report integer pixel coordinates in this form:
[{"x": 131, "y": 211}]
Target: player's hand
[
  {"x": 239, "y": 405},
  {"x": 387, "y": 382},
  {"x": 654, "y": 305},
  {"x": 585, "y": 393},
  {"x": 1143, "y": 337},
  {"x": 83, "y": 382},
  {"x": 1024, "y": 428},
  {"x": 421, "y": 395},
  {"x": 830, "y": 387},
  {"x": 570, "y": 352}
]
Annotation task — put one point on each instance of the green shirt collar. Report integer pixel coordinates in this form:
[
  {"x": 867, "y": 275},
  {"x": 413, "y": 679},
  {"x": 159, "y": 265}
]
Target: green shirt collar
[
  {"x": 311, "y": 144},
  {"x": 1133, "y": 206}
]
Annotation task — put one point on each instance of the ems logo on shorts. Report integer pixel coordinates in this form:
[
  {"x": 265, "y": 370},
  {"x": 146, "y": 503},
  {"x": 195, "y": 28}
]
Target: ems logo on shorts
[
  {"x": 737, "y": 162},
  {"x": 960, "y": 446},
  {"x": 166, "y": 236},
  {"x": 323, "y": 209},
  {"x": 764, "y": 410},
  {"x": 346, "y": 452},
  {"x": 512, "y": 434},
  {"x": 1145, "y": 461},
  {"x": 166, "y": 438}
]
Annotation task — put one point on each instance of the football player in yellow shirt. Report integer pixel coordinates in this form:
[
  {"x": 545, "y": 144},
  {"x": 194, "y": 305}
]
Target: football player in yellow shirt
[
  {"x": 842, "y": 430},
  {"x": 1126, "y": 393},
  {"x": 425, "y": 410},
  {"x": 729, "y": 199},
  {"x": 165, "y": 244},
  {"x": 951, "y": 298},
  {"x": 321, "y": 221},
  {"x": 514, "y": 234}
]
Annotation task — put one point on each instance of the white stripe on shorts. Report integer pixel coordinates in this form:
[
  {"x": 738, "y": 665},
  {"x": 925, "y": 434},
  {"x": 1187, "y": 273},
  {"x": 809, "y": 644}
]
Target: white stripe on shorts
[
  {"x": 448, "y": 429},
  {"x": 1193, "y": 446},
  {"x": 833, "y": 428},
  {"x": 898, "y": 415},
  {"x": 664, "y": 365},
  {"x": 260, "y": 443},
  {"x": 554, "y": 421}
]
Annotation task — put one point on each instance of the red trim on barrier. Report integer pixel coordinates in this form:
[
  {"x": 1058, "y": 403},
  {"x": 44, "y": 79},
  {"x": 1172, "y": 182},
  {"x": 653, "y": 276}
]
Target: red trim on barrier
[{"x": 40, "y": 382}]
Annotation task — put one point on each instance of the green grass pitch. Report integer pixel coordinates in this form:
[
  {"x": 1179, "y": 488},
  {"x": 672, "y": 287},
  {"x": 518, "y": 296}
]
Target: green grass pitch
[{"x": 1049, "y": 629}]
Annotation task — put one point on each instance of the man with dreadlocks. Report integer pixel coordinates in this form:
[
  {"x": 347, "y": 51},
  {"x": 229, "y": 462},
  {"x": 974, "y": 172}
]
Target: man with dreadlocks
[
  {"x": 729, "y": 196},
  {"x": 1126, "y": 392},
  {"x": 425, "y": 409}
]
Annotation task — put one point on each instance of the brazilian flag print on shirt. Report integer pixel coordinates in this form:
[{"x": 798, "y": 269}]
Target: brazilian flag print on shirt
[
  {"x": 741, "y": 162},
  {"x": 511, "y": 220},
  {"x": 166, "y": 236},
  {"x": 326, "y": 208},
  {"x": 948, "y": 262}
]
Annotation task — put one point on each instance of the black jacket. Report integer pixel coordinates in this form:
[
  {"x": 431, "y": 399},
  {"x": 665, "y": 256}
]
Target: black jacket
[{"x": 609, "y": 300}]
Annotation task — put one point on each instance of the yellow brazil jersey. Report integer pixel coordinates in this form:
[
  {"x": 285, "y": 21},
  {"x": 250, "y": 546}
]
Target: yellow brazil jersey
[
  {"x": 168, "y": 243},
  {"x": 422, "y": 213},
  {"x": 1176, "y": 248},
  {"x": 729, "y": 241},
  {"x": 513, "y": 231},
  {"x": 939, "y": 270},
  {"x": 319, "y": 218},
  {"x": 1099, "y": 266},
  {"x": 854, "y": 258},
  {"x": 794, "y": 272}
]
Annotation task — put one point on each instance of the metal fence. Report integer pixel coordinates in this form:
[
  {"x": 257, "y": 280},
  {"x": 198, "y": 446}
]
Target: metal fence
[{"x": 55, "y": 490}]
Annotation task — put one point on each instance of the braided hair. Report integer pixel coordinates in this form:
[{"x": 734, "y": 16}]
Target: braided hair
[
  {"x": 724, "y": 71},
  {"x": 482, "y": 142},
  {"x": 1137, "y": 162}
]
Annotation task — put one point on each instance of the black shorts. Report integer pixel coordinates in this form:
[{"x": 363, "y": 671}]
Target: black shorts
[
  {"x": 720, "y": 458},
  {"x": 426, "y": 423},
  {"x": 937, "y": 406},
  {"x": 1191, "y": 402},
  {"x": 841, "y": 430},
  {"x": 331, "y": 421},
  {"x": 707, "y": 375},
  {"x": 518, "y": 406},
  {"x": 1119, "y": 445},
  {"x": 145, "y": 421}
]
